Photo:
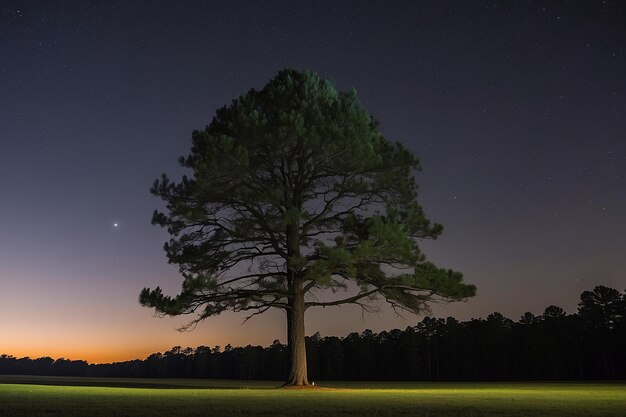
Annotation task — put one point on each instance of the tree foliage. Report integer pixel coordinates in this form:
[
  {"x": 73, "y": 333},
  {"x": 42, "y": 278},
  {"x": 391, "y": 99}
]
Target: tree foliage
[{"x": 294, "y": 191}]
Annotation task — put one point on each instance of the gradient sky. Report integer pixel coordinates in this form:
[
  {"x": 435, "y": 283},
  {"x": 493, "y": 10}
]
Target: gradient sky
[{"x": 517, "y": 111}]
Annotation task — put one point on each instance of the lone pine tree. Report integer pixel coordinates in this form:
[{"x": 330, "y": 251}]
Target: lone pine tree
[{"x": 294, "y": 191}]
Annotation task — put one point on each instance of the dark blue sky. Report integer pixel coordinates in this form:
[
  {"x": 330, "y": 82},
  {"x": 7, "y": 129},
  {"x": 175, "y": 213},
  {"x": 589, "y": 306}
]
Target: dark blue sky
[{"x": 516, "y": 110}]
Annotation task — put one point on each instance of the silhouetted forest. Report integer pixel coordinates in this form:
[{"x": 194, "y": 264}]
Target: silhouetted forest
[{"x": 588, "y": 345}]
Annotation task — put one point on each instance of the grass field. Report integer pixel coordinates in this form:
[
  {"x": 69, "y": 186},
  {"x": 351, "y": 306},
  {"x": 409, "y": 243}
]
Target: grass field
[{"x": 58, "y": 396}]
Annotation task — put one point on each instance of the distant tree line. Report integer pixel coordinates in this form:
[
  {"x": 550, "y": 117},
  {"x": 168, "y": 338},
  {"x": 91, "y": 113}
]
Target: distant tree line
[{"x": 587, "y": 345}]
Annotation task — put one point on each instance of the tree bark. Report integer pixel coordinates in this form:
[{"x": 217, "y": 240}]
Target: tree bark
[
  {"x": 288, "y": 311},
  {"x": 295, "y": 314},
  {"x": 297, "y": 345}
]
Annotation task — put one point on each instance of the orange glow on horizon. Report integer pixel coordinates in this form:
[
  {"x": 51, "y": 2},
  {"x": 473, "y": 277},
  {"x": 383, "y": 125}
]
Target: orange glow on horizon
[
  {"x": 112, "y": 327},
  {"x": 91, "y": 356}
]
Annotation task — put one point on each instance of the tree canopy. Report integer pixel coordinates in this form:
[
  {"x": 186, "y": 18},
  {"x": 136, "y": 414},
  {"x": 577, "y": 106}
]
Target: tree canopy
[{"x": 293, "y": 192}]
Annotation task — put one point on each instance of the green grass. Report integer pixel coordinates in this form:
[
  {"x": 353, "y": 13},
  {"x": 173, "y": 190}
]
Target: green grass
[{"x": 57, "y": 396}]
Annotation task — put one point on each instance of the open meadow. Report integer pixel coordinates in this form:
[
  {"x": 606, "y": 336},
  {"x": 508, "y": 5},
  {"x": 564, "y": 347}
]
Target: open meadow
[{"x": 67, "y": 396}]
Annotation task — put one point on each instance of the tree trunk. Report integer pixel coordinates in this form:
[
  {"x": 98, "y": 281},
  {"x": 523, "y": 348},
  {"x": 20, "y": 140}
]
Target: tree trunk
[
  {"x": 288, "y": 311},
  {"x": 297, "y": 346}
]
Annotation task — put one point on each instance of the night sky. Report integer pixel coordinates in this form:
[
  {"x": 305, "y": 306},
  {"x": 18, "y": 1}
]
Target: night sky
[{"x": 517, "y": 111}]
